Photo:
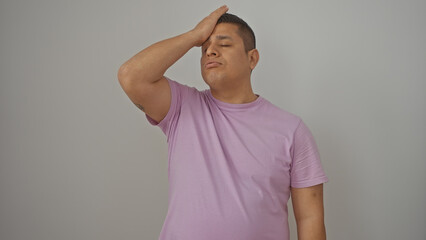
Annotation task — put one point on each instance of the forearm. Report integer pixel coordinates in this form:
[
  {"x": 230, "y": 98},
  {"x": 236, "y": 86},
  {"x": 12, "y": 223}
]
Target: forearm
[
  {"x": 311, "y": 229},
  {"x": 151, "y": 63}
]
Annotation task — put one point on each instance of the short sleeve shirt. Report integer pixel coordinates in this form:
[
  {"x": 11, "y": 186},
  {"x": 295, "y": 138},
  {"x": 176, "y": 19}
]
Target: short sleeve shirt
[{"x": 231, "y": 166}]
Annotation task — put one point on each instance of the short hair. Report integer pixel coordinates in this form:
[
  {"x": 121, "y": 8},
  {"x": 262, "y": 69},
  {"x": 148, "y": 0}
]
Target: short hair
[{"x": 244, "y": 30}]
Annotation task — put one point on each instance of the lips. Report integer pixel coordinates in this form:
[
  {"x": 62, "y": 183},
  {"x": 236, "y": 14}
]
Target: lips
[{"x": 211, "y": 64}]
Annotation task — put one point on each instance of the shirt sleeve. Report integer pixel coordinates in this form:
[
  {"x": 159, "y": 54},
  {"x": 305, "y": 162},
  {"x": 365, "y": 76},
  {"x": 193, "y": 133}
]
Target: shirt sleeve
[
  {"x": 306, "y": 169},
  {"x": 169, "y": 122}
]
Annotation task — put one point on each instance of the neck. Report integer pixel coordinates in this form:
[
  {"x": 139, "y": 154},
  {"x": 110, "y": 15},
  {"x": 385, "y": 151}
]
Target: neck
[{"x": 240, "y": 95}]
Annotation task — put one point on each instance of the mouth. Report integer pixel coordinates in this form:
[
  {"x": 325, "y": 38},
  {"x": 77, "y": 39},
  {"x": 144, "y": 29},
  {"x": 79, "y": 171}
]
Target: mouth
[{"x": 212, "y": 64}]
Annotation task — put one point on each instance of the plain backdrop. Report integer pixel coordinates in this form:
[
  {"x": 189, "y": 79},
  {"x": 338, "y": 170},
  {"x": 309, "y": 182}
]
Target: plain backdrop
[{"x": 79, "y": 161}]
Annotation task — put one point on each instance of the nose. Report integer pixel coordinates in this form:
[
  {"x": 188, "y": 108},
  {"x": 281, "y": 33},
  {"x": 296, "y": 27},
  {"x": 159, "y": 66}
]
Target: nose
[{"x": 211, "y": 51}]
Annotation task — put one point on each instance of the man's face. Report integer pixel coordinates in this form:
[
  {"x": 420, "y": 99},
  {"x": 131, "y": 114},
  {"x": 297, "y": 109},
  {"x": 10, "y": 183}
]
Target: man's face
[{"x": 225, "y": 47}]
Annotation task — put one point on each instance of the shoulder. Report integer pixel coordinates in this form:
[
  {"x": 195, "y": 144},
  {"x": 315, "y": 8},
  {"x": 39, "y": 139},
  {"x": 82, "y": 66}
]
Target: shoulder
[
  {"x": 182, "y": 89},
  {"x": 280, "y": 115}
]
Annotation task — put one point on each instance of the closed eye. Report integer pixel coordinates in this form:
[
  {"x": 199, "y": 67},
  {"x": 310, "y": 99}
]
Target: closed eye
[{"x": 223, "y": 45}]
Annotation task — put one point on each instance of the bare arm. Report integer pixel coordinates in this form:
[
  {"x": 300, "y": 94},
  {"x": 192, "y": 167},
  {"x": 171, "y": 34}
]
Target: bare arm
[
  {"x": 151, "y": 63},
  {"x": 141, "y": 77},
  {"x": 309, "y": 212}
]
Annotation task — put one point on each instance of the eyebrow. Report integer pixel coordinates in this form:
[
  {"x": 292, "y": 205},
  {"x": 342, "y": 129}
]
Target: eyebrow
[{"x": 221, "y": 37}]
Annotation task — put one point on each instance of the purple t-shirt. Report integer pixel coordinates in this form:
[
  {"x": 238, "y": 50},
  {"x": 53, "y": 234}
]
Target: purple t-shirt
[{"x": 230, "y": 167}]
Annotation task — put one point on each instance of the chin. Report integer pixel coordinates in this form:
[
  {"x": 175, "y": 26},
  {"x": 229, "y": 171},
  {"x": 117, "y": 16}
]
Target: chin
[
  {"x": 213, "y": 78},
  {"x": 211, "y": 81}
]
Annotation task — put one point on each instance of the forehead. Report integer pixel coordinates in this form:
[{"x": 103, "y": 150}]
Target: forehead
[
  {"x": 225, "y": 31},
  {"x": 225, "y": 27}
]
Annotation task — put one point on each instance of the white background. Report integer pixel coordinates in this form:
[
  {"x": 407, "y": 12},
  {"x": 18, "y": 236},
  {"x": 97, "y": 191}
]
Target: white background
[{"x": 80, "y": 161}]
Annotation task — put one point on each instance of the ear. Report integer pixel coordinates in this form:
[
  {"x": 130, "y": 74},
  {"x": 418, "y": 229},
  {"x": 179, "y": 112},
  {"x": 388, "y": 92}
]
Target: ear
[{"x": 253, "y": 56}]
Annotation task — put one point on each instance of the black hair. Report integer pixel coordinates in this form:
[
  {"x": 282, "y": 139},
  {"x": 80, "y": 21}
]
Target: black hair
[{"x": 244, "y": 30}]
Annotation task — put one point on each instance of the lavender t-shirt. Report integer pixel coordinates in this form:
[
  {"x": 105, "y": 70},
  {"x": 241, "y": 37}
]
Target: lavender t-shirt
[{"x": 230, "y": 166}]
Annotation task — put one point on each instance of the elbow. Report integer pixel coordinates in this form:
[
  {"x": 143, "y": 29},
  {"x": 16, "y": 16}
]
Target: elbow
[
  {"x": 126, "y": 77},
  {"x": 122, "y": 73},
  {"x": 130, "y": 76}
]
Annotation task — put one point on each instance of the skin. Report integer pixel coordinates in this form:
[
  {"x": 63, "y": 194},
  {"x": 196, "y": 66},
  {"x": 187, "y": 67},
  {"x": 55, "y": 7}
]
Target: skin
[
  {"x": 308, "y": 210},
  {"x": 230, "y": 81}
]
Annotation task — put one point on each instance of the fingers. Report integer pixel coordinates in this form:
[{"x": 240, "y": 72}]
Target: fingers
[
  {"x": 224, "y": 8},
  {"x": 220, "y": 11}
]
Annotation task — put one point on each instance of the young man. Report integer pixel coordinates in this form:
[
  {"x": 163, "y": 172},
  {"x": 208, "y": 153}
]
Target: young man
[{"x": 234, "y": 157}]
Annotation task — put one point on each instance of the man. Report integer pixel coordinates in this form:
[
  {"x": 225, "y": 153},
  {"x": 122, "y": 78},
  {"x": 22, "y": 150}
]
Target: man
[{"x": 234, "y": 157}]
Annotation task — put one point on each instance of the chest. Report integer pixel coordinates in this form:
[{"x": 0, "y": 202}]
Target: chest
[{"x": 252, "y": 150}]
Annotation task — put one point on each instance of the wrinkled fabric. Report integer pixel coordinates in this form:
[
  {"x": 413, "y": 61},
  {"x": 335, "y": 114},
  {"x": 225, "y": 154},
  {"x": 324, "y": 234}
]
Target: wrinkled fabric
[{"x": 230, "y": 166}]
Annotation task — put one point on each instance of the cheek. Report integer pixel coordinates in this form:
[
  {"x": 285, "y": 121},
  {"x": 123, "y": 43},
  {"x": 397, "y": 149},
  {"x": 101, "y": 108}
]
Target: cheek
[{"x": 239, "y": 61}]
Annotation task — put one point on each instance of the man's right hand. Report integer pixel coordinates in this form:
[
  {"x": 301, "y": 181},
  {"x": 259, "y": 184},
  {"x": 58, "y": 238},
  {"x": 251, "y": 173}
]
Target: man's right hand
[
  {"x": 204, "y": 28},
  {"x": 142, "y": 76}
]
